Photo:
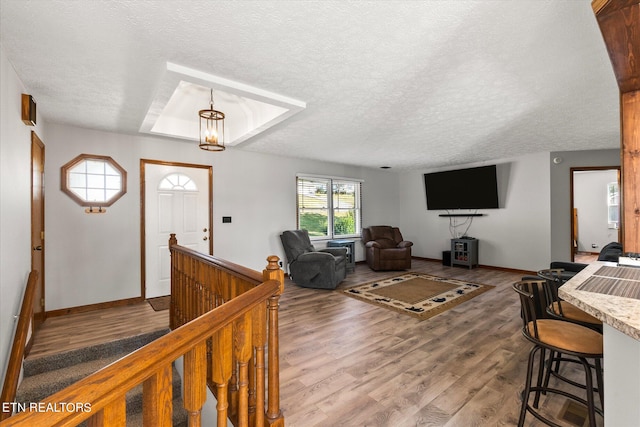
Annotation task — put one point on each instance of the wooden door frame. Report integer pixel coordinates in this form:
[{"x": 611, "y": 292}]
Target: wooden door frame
[
  {"x": 143, "y": 163},
  {"x": 38, "y": 316},
  {"x": 571, "y": 190}
]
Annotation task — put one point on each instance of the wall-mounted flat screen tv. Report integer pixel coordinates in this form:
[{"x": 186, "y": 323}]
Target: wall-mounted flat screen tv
[{"x": 471, "y": 188}]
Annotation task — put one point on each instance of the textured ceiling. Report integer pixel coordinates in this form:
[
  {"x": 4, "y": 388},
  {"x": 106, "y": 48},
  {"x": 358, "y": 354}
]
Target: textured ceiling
[{"x": 407, "y": 84}]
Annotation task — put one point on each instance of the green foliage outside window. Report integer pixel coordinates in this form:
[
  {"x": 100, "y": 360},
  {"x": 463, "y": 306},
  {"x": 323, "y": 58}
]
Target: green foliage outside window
[
  {"x": 344, "y": 224},
  {"x": 315, "y": 223}
]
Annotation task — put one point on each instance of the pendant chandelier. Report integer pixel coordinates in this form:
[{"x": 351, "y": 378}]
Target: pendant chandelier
[{"x": 211, "y": 128}]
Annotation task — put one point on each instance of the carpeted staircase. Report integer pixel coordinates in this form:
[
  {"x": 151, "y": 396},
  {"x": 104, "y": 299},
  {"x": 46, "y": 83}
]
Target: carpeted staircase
[{"x": 46, "y": 375}]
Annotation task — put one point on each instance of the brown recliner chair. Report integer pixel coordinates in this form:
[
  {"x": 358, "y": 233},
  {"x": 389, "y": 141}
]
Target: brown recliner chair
[{"x": 385, "y": 249}]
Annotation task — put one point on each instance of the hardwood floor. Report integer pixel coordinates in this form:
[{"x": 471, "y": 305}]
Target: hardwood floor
[
  {"x": 345, "y": 362},
  {"x": 585, "y": 258},
  {"x": 79, "y": 330}
]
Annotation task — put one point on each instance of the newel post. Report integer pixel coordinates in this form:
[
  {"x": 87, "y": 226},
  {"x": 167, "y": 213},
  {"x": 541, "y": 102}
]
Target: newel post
[{"x": 273, "y": 272}]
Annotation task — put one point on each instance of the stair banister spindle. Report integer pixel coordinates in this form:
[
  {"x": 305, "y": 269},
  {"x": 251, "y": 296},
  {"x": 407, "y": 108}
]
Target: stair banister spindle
[
  {"x": 221, "y": 370},
  {"x": 252, "y": 390},
  {"x": 175, "y": 278},
  {"x": 157, "y": 396},
  {"x": 243, "y": 353},
  {"x": 259, "y": 330},
  {"x": 112, "y": 415},
  {"x": 195, "y": 382},
  {"x": 233, "y": 388}
]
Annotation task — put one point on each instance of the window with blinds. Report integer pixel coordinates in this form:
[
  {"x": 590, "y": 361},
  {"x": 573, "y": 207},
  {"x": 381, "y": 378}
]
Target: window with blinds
[{"x": 329, "y": 207}]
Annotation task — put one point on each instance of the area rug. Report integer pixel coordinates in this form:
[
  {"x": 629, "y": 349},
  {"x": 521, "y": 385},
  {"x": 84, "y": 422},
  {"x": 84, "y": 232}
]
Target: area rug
[
  {"x": 416, "y": 294},
  {"x": 160, "y": 303}
]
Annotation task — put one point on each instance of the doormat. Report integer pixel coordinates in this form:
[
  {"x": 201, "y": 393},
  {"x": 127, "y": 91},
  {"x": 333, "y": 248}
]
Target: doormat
[
  {"x": 160, "y": 303},
  {"x": 419, "y": 295}
]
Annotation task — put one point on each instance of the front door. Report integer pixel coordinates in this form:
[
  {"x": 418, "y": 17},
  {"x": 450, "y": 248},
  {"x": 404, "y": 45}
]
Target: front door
[
  {"x": 176, "y": 200},
  {"x": 37, "y": 226}
]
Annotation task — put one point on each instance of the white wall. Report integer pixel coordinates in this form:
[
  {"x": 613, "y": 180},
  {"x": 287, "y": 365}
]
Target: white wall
[
  {"x": 514, "y": 236},
  {"x": 15, "y": 203},
  {"x": 590, "y": 199},
  {"x": 96, "y": 258}
]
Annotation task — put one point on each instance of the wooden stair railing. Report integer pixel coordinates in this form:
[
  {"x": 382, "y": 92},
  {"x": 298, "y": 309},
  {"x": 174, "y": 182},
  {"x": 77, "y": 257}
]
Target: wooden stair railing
[
  {"x": 227, "y": 340},
  {"x": 18, "y": 348},
  {"x": 200, "y": 283}
]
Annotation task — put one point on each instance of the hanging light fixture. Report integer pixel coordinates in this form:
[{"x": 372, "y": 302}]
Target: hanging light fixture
[{"x": 211, "y": 128}]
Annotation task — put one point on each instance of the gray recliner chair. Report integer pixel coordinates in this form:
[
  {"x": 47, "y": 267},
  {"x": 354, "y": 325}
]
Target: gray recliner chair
[{"x": 311, "y": 268}]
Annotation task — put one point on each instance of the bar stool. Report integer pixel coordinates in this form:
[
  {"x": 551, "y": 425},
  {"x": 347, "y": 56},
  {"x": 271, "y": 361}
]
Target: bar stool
[
  {"x": 558, "y": 337},
  {"x": 560, "y": 309}
]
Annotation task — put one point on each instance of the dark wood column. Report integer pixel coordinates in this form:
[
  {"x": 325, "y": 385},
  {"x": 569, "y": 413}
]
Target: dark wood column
[{"x": 619, "y": 22}]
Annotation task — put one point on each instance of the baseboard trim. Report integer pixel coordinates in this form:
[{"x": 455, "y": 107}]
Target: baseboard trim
[
  {"x": 426, "y": 259},
  {"x": 92, "y": 307},
  {"x": 510, "y": 270},
  {"x": 489, "y": 267}
]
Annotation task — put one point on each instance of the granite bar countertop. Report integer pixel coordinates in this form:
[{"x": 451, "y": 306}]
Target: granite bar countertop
[{"x": 621, "y": 313}]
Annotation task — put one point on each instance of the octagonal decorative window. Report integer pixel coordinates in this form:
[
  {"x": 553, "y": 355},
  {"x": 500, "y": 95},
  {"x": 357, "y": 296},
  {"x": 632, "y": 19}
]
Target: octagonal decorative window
[{"x": 93, "y": 180}]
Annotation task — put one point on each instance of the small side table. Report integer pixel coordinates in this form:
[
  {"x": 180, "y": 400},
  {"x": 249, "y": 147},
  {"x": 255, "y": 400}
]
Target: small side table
[{"x": 351, "y": 250}]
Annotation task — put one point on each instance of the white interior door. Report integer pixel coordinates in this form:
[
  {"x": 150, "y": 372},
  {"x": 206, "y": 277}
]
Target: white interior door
[{"x": 176, "y": 201}]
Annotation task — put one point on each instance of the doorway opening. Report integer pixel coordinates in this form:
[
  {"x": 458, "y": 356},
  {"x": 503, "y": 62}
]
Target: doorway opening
[{"x": 595, "y": 210}]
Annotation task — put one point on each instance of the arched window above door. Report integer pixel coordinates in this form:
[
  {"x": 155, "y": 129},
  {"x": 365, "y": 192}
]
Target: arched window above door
[{"x": 177, "y": 182}]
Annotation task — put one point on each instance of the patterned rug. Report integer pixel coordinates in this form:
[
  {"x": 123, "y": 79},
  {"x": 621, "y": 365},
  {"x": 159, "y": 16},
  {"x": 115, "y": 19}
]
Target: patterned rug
[{"x": 416, "y": 294}]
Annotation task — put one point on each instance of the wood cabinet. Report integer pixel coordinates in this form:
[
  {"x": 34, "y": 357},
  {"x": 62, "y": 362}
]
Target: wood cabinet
[{"x": 464, "y": 252}]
